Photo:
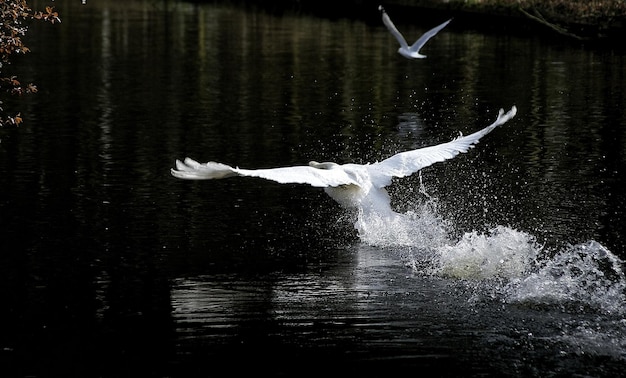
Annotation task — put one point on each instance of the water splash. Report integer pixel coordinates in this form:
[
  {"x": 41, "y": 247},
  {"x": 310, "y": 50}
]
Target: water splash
[
  {"x": 422, "y": 228},
  {"x": 503, "y": 252},
  {"x": 516, "y": 268},
  {"x": 596, "y": 338},
  {"x": 584, "y": 276}
]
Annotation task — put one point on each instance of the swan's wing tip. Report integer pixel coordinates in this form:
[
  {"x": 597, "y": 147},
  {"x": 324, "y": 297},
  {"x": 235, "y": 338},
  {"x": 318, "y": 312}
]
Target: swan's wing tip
[
  {"x": 190, "y": 169},
  {"x": 508, "y": 115},
  {"x": 180, "y": 165}
]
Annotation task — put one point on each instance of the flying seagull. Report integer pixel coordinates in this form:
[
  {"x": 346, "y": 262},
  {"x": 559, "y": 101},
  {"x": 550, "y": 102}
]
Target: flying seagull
[
  {"x": 413, "y": 51},
  {"x": 357, "y": 186}
]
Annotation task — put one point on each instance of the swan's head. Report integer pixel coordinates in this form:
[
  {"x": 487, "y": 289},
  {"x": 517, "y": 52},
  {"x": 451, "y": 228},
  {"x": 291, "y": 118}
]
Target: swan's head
[{"x": 325, "y": 165}]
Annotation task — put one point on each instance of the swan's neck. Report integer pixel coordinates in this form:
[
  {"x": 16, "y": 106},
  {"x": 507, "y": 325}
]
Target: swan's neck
[
  {"x": 348, "y": 196},
  {"x": 366, "y": 200}
]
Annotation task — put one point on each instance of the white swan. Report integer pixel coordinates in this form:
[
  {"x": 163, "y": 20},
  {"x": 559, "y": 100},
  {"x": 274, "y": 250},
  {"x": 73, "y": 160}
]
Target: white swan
[
  {"x": 351, "y": 185},
  {"x": 413, "y": 51}
]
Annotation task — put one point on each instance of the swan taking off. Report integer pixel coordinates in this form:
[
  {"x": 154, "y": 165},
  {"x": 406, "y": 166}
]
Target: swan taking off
[
  {"x": 357, "y": 186},
  {"x": 413, "y": 51}
]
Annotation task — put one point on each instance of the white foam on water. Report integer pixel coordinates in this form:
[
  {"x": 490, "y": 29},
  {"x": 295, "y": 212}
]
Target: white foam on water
[
  {"x": 579, "y": 278},
  {"x": 422, "y": 228},
  {"x": 502, "y": 252},
  {"x": 595, "y": 338}
]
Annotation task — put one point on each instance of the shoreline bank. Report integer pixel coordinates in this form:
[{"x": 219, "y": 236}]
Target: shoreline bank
[{"x": 581, "y": 20}]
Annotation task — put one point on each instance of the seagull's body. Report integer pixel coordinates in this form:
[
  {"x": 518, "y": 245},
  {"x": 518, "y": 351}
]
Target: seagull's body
[
  {"x": 357, "y": 186},
  {"x": 413, "y": 51}
]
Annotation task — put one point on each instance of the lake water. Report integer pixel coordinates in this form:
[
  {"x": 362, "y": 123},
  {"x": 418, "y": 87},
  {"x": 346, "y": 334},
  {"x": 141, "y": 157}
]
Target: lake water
[{"x": 507, "y": 262}]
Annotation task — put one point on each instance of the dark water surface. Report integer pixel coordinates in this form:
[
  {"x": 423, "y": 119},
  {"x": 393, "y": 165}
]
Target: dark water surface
[{"x": 109, "y": 266}]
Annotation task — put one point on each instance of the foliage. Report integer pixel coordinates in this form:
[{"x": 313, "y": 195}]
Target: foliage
[
  {"x": 14, "y": 16},
  {"x": 561, "y": 15},
  {"x": 591, "y": 12},
  {"x": 578, "y": 9}
]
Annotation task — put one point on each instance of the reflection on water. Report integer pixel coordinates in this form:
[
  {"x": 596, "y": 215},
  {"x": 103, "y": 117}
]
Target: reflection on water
[
  {"x": 334, "y": 315},
  {"x": 506, "y": 263},
  {"x": 372, "y": 315}
]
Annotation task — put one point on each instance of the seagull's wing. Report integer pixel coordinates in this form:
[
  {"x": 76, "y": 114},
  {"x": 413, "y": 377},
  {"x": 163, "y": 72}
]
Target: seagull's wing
[
  {"x": 409, "y": 162},
  {"x": 393, "y": 30},
  {"x": 190, "y": 169},
  {"x": 426, "y": 36}
]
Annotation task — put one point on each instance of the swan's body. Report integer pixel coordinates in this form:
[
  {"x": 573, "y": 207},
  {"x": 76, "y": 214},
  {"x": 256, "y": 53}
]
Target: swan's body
[
  {"x": 413, "y": 51},
  {"x": 351, "y": 185}
]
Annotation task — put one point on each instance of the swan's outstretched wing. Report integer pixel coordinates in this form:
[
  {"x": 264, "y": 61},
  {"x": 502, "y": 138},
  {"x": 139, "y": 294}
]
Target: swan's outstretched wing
[
  {"x": 409, "y": 162},
  {"x": 426, "y": 36},
  {"x": 190, "y": 169},
  {"x": 392, "y": 28}
]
